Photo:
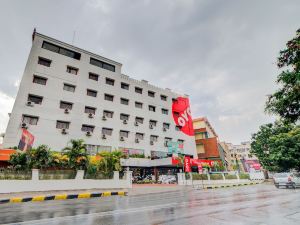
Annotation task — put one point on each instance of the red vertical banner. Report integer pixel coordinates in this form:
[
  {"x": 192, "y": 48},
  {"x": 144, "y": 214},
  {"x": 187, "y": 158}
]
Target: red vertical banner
[
  {"x": 187, "y": 164},
  {"x": 200, "y": 169},
  {"x": 26, "y": 141}
]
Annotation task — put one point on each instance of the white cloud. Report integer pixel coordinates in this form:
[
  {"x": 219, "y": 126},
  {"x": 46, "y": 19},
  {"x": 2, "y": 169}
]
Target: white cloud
[{"x": 6, "y": 104}]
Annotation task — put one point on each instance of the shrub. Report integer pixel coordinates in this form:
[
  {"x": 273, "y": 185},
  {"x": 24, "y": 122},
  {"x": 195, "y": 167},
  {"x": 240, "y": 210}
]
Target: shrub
[
  {"x": 216, "y": 177},
  {"x": 230, "y": 176},
  {"x": 244, "y": 176},
  {"x": 197, "y": 176}
]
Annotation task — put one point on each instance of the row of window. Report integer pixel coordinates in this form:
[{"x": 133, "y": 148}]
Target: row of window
[
  {"x": 76, "y": 55},
  {"x": 92, "y": 76},
  {"x": 90, "y": 128},
  {"x": 33, "y": 120},
  {"x": 36, "y": 99}
]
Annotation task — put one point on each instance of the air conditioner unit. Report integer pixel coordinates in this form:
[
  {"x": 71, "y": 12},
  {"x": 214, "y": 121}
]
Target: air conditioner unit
[
  {"x": 164, "y": 129},
  {"x": 151, "y": 126},
  {"x": 88, "y": 133},
  {"x": 103, "y": 136},
  {"x": 104, "y": 118},
  {"x": 29, "y": 103},
  {"x": 151, "y": 142},
  {"x": 64, "y": 131},
  {"x": 136, "y": 124},
  {"x": 122, "y": 139},
  {"x": 137, "y": 140},
  {"x": 125, "y": 121},
  {"x": 91, "y": 115},
  {"x": 66, "y": 111},
  {"x": 24, "y": 125}
]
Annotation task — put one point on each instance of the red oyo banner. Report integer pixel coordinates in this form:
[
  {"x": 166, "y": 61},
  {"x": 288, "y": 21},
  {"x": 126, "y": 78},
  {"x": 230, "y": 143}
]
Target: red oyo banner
[
  {"x": 26, "y": 141},
  {"x": 187, "y": 164},
  {"x": 182, "y": 115}
]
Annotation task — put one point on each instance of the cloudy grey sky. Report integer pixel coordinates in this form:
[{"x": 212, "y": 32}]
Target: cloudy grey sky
[{"x": 221, "y": 53}]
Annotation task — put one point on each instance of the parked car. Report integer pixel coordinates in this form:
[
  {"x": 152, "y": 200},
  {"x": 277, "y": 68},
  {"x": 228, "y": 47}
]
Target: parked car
[{"x": 286, "y": 180}]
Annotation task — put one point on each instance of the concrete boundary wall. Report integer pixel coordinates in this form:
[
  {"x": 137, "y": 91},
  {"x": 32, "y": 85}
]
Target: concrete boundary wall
[{"x": 10, "y": 186}]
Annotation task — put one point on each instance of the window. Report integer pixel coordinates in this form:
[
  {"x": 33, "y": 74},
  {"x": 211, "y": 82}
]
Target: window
[
  {"x": 174, "y": 99},
  {"x": 72, "y": 70},
  {"x": 180, "y": 141},
  {"x": 125, "y": 86},
  {"x": 124, "y": 133},
  {"x": 110, "y": 81},
  {"x": 69, "y": 87},
  {"x": 139, "y": 120},
  {"x": 60, "y": 50},
  {"x": 176, "y": 114},
  {"x": 151, "y": 94},
  {"x": 32, "y": 120},
  {"x": 163, "y": 97},
  {"x": 153, "y": 138},
  {"x": 124, "y": 116},
  {"x": 34, "y": 98},
  {"x": 124, "y": 101},
  {"x": 91, "y": 93},
  {"x": 87, "y": 128},
  {"x": 178, "y": 128},
  {"x": 102, "y": 64},
  {"x": 89, "y": 110},
  {"x": 167, "y": 139},
  {"x": 139, "y": 136},
  {"x": 166, "y": 125},
  {"x": 138, "y": 90},
  {"x": 93, "y": 76},
  {"x": 108, "y": 97},
  {"x": 39, "y": 80},
  {"x": 152, "y": 123},
  {"x": 62, "y": 124},
  {"x": 108, "y": 114},
  {"x": 138, "y": 105},
  {"x": 107, "y": 131},
  {"x": 165, "y": 111},
  {"x": 151, "y": 108},
  {"x": 44, "y": 62},
  {"x": 66, "y": 105}
]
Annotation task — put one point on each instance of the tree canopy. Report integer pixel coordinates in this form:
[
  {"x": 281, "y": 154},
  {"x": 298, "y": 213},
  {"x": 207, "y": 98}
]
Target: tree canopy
[{"x": 285, "y": 102}]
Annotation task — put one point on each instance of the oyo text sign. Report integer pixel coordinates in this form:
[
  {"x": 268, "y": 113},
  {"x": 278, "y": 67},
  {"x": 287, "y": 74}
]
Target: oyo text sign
[{"x": 182, "y": 115}]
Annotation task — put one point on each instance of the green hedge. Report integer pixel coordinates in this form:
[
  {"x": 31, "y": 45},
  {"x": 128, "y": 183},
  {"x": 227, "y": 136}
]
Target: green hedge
[
  {"x": 230, "y": 176},
  {"x": 216, "y": 177},
  {"x": 8, "y": 174},
  {"x": 244, "y": 176},
  {"x": 197, "y": 176},
  {"x": 56, "y": 174}
]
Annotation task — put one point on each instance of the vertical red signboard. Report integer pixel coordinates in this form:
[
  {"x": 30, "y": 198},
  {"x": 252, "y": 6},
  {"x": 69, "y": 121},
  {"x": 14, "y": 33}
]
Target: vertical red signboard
[{"x": 187, "y": 164}]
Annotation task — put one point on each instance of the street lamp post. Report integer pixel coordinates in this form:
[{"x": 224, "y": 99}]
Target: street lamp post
[{"x": 237, "y": 164}]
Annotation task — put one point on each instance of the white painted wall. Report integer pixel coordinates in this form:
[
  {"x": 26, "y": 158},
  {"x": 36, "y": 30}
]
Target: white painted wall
[
  {"x": 49, "y": 112},
  {"x": 10, "y": 186}
]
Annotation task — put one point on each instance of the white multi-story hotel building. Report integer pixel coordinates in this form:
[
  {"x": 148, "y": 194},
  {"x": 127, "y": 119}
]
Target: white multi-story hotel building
[{"x": 69, "y": 93}]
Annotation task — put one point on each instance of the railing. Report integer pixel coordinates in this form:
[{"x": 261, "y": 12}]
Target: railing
[
  {"x": 10, "y": 174},
  {"x": 56, "y": 174}
]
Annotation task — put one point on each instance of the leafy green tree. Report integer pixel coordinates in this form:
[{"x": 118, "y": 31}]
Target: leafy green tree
[
  {"x": 39, "y": 157},
  {"x": 110, "y": 161},
  {"x": 277, "y": 146},
  {"x": 18, "y": 160},
  {"x": 285, "y": 102},
  {"x": 77, "y": 154}
]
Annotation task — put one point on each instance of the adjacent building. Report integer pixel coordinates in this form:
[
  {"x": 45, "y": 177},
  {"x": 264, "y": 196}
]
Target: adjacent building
[
  {"x": 69, "y": 93},
  {"x": 207, "y": 144}
]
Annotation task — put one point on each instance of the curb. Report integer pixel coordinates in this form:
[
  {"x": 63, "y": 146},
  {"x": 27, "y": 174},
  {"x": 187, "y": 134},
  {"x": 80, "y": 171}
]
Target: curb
[
  {"x": 62, "y": 197},
  {"x": 231, "y": 185}
]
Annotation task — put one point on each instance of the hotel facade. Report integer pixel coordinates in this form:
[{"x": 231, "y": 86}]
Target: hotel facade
[{"x": 69, "y": 93}]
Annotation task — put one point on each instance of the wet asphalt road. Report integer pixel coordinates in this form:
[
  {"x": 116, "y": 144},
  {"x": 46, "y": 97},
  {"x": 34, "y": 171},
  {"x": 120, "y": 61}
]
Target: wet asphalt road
[{"x": 258, "y": 204}]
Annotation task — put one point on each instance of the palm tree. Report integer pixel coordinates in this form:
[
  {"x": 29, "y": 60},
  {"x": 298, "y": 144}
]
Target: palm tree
[
  {"x": 110, "y": 161},
  {"x": 76, "y": 153}
]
